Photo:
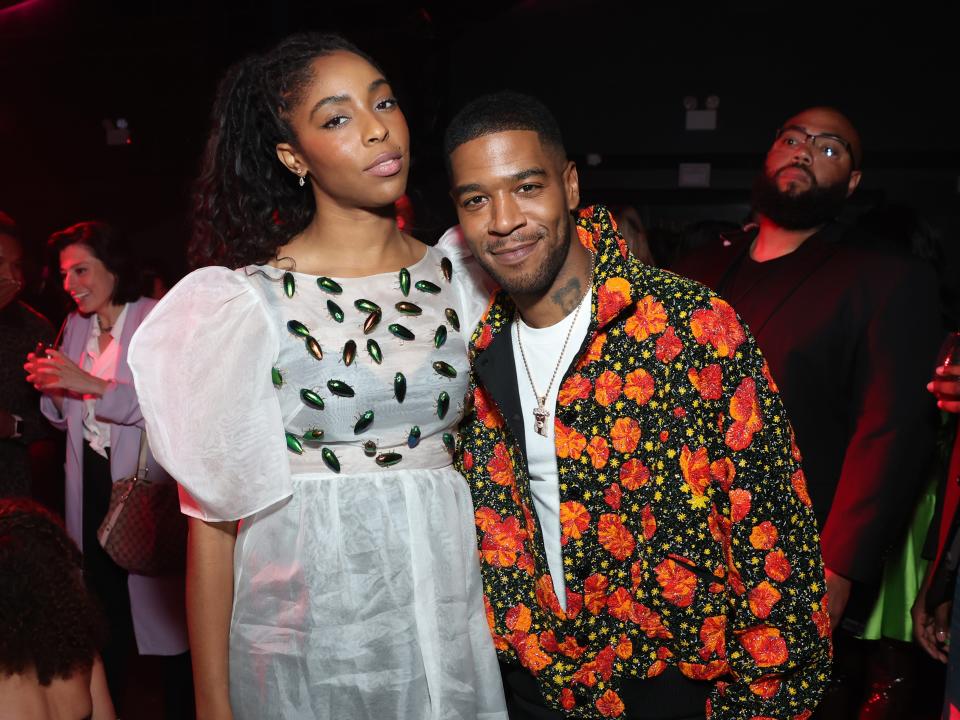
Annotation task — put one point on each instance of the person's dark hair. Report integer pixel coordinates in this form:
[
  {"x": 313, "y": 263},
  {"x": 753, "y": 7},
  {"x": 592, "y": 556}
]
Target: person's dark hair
[
  {"x": 109, "y": 247},
  {"x": 48, "y": 619},
  {"x": 246, "y": 203},
  {"x": 501, "y": 112}
]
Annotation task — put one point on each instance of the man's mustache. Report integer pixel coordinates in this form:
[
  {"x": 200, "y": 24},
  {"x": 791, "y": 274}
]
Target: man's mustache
[
  {"x": 517, "y": 238},
  {"x": 795, "y": 166}
]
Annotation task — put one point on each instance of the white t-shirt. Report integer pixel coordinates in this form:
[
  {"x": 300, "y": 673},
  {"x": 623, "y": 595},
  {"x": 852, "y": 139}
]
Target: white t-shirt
[{"x": 542, "y": 347}]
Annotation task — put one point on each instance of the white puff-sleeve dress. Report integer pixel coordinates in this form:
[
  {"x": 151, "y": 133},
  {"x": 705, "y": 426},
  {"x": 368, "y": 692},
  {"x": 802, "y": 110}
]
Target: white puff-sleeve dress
[{"x": 321, "y": 413}]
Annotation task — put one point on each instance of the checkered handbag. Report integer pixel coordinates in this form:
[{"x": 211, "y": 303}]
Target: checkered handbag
[{"x": 144, "y": 531}]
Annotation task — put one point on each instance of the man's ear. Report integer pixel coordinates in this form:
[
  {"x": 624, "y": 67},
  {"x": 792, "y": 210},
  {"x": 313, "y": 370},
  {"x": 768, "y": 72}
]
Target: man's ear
[
  {"x": 853, "y": 182},
  {"x": 571, "y": 185}
]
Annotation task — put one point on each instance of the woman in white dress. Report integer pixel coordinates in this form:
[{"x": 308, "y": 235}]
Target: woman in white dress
[{"x": 305, "y": 395}]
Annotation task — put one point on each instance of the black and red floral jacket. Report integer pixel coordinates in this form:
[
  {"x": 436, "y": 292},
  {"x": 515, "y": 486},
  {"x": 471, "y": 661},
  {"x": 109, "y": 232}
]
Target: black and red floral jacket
[{"x": 687, "y": 533}]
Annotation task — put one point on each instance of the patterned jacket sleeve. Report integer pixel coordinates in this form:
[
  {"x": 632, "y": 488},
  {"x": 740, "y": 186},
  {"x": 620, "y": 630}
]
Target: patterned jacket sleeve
[{"x": 777, "y": 630}]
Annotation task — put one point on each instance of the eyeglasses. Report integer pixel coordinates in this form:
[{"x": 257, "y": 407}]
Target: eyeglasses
[{"x": 832, "y": 147}]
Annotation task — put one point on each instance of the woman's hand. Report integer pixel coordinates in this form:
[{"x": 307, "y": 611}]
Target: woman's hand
[
  {"x": 58, "y": 372},
  {"x": 946, "y": 386}
]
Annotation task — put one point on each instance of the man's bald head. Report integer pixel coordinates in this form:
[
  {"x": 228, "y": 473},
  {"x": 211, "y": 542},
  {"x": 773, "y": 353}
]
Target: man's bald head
[{"x": 828, "y": 120}]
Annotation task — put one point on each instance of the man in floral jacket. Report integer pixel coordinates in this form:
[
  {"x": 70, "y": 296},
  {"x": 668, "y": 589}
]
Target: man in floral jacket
[{"x": 646, "y": 538}]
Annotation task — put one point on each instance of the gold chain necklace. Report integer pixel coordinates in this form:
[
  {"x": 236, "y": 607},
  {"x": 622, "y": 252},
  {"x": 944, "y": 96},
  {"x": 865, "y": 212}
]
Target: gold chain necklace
[{"x": 540, "y": 412}]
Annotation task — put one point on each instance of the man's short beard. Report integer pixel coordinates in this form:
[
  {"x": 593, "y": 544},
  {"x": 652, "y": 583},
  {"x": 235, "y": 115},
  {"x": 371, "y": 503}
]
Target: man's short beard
[
  {"x": 801, "y": 211},
  {"x": 540, "y": 278}
]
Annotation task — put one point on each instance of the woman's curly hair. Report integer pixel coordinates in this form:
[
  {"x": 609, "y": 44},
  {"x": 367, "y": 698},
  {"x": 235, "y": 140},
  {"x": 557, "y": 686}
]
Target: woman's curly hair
[
  {"x": 48, "y": 620},
  {"x": 246, "y": 203}
]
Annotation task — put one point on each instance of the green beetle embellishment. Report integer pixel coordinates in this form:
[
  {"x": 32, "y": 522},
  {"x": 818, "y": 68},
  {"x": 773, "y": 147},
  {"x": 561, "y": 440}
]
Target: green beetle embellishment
[{"x": 329, "y": 285}]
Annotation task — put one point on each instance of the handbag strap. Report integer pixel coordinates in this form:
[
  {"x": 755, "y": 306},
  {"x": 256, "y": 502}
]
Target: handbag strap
[{"x": 142, "y": 460}]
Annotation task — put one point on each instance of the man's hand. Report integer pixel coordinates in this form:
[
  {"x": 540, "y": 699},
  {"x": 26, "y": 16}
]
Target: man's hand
[
  {"x": 838, "y": 593},
  {"x": 932, "y": 632},
  {"x": 946, "y": 386}
]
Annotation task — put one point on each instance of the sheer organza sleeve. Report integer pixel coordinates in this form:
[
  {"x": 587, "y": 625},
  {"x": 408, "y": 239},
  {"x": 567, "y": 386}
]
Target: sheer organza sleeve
[
  {"x": 202, "y": 368},
  {"x": 472, "y": 284}
]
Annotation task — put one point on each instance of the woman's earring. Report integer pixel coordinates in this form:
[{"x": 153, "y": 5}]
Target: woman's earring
[{"x": 302, "y": 181}]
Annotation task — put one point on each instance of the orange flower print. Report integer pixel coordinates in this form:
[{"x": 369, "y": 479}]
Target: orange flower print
[
  {"x": 575, "y": 387},
  {"x": 547, "y": 596},
  {"x": 569, "y": 442},
  {"x": 719, "y": 327},
  {"x": 612, "y": 496},
  {"x": 625, "y": 435},
  {"x": 799, "y": 482},
  {"x": 500, "y": 466},
  {"x": 608, "y": 388},
  {"x": 595, "y": 593},
  {"x": 467, "y": 460},
  {"x": 594, "y": 352},
  {"x": 518, "y": 618},
  {"x": 708, "y": 381},
  {"x": 678, "y": 583},
  {"x": 548, "y": 641},
  {"x": 649, "y": 622},
  {"x": 525, "y": 563},
  {"x": 620, "y": 604},
  {"x": 713, "y": 635},
  {"x": 766, "y": 687},
  {"x": 668, "y": 346},
  {"x": 587, "y": 238},
  {"x": 723, "y": 472},
  {"x": 487, "y": 413},
  {"x": 765, "y": 645},
  {"x": 614, "y": 537},
  {"x": 610, "y": 704},
  {"x": 567, "y": 701},
  {"x": 486, "y": 337},
  {"x": 709, "y": 671},
  {"x": 574, "y": 519},
  {"x": 639, "y": 386},
  {"x": 739, "y": 504},
  {"x": 502, "y": 542},
  {"x": 777, "y": 566},
  {"x": 624, "y": 648},
  {"x": 570, "y": 648},
  {"x": 794, "y": 448},
  {"x": 529, "y": 652},
  {"x": 598, "y": 451},
  {"x": 719, "y": 527},
  {"x": 648, "y": 522},
  {"x": 695, "y": 467},
  {"x": 486, "y": 517},
  {"x": 574, "y": 603},
  {"x": 745, "y": 411},
  {"x": 613, "y": 296},
  {"x": 762, "y": 598},
  {"x": 656, "y": 668},
  {"x": 765, "y": 370},
  {"x": 821, "y": 618},
  {"x": 764, "y": 536},
  {"x": 634, "y": 474},
  {"x": 649, "y": 319},
  {"x": 602, "y": 665}
]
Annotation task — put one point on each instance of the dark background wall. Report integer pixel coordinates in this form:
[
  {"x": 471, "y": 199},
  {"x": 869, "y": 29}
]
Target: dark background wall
[{"x": 615, "y": 74}]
